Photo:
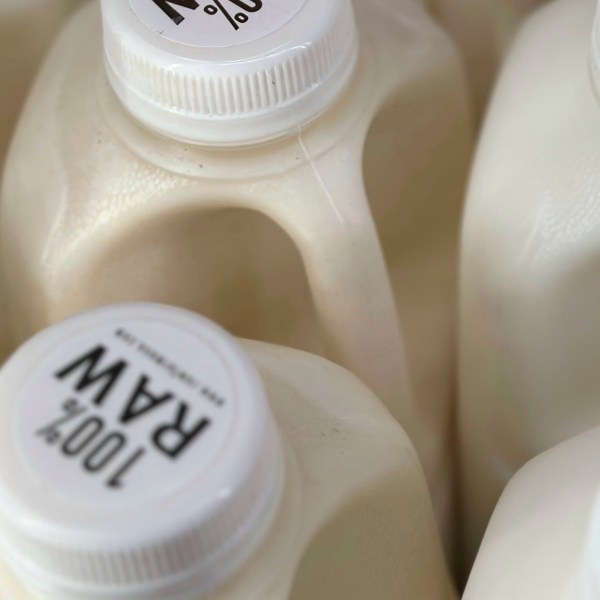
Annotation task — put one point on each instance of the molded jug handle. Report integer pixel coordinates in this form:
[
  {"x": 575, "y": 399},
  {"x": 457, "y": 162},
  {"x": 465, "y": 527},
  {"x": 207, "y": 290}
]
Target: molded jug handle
[{"x": 331, "y": 223}]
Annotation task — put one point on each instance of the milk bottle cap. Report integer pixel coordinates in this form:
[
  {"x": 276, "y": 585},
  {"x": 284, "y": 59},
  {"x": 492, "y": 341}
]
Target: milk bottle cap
[
  {"x": 138, "y": 457},
  {"x": 228, "y": 72}
]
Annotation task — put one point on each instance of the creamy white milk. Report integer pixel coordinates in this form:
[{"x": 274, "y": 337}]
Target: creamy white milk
[
  {"x": 543, "y": 539},
  {"x": 529, "y": 325},
  {"x": 309, "y": 196},
  {"x": 177, "y": 464}
]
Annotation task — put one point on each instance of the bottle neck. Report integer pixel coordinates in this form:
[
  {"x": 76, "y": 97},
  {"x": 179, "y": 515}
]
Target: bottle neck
[{"x": 246, "y": 85}]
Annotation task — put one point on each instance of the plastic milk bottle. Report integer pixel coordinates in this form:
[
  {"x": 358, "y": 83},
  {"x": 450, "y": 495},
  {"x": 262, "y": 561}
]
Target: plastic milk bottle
[
  {"x": 258, "y": 162},
  {"x": 529, "y": 320},
  {"x": 146, "y": 455},
  {"x": 544, "y": 538}
]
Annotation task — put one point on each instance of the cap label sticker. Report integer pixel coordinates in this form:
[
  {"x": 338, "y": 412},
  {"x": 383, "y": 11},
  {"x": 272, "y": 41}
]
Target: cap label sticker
[
  {"x": 133, "y": 412},
  {"x": 215, "y": 23}
]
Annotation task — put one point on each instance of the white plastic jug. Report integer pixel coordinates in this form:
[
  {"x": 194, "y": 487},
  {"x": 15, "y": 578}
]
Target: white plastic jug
[
  {"x": 483, "y": 30},
  {"x": 145, "y": 455},
  {"x": 544, "y": 539},
  {"x": 248, "y": 178},
  {"x": 529, "y": 324}
]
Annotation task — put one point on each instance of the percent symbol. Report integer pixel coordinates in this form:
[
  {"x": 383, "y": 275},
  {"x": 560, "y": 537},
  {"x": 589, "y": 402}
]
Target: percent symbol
[
  {"x": 71, "y": 409},
  {"x": 236, "y": 19}
]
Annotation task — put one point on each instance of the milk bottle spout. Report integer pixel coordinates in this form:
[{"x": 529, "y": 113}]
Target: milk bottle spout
[
  {"x": 229, "y": 72},
  {"x": 157, "y": 445}
]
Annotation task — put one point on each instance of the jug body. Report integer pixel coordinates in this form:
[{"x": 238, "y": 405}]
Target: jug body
[
  {"x": 352, "y": 516},
  {"x": 528, "y": 289},
  {"x": 313, "y": 240},
  {"x": 542, "y": 540}
]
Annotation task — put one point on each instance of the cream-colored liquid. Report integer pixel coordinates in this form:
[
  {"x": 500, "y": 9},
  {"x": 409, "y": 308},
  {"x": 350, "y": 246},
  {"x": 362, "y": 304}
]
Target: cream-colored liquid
[
  {"x": 276, "y": 242},
  {"x": 483, "y": 30},
  {"x": 356, "y": 521},
  {"x": 530, "y": 286},
  {"x": 537, "y": 544}
]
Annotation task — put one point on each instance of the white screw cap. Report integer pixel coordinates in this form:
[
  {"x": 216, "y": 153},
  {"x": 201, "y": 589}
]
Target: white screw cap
[
  {"x": 228, "y": 72},
  {"x": 139, "y": 459}
]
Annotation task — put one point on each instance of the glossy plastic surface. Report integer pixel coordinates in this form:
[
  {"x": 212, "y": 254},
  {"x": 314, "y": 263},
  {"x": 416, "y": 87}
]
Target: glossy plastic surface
[
  {"x": 332, "y": 240},
  {"x": 529, "y": 319},
  {"x": 149, "y": 431},
  {"x": 542, "y": 541},
  {"x": 356, "y": 520}
]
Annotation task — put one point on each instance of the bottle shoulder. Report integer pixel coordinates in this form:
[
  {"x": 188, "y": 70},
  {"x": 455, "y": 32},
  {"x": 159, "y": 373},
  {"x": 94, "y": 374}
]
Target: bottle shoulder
[
  {"x": 532, "y": 199},
  {"x": 344, "y": 447},
  {"x": 87, "y": 156},
  {"x": 554, "y": 492},
  {"x": 328, "y": 413},
  {"x": 75, "y": 95}
]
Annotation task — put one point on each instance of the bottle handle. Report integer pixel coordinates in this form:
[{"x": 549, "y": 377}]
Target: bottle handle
[{"x": 333, "y": 228}]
